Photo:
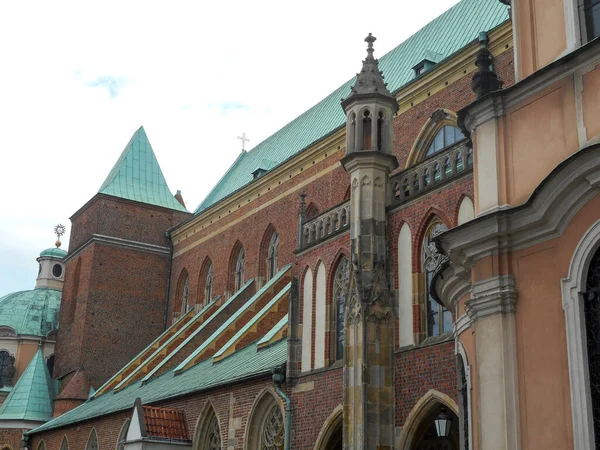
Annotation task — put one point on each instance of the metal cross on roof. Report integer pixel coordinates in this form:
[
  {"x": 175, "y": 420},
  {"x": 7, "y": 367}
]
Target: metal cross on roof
[{"x": 244, "y": 139}]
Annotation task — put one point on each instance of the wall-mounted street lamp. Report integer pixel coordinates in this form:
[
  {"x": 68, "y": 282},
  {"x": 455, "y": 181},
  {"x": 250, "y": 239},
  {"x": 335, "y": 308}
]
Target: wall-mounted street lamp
[{"x": 442, "y": 424}]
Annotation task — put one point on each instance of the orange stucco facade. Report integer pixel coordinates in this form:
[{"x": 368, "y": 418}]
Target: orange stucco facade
[{"x": 513, "y": 267}]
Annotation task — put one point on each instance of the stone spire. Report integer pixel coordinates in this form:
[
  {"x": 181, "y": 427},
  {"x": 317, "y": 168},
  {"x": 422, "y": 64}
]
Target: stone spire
[{"x": 369, "y": 81}]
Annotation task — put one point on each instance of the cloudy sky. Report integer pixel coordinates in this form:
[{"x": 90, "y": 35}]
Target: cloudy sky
[{"x": 78, "y": 78}]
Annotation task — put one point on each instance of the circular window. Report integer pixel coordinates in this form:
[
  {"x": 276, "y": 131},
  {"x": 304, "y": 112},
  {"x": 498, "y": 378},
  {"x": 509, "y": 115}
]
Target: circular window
[{"x": 57, "y": 270}]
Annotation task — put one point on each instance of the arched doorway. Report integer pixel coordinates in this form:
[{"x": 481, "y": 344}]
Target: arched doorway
[
  {"x": 420, "y": 432},
  {"x": 426, "y": 435},
  {"x": 331, "y": 434}
]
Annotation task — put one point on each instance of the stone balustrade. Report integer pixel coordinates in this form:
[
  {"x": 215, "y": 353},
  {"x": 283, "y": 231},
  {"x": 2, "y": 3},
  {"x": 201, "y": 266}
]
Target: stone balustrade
[
  {"x": 329, "y": 223},
  {"x": 438, "y": 169}
]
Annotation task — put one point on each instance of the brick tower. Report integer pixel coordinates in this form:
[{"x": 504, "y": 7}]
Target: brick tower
[
  {"x": 369, "y": 317},
  {"x": 114, "y": 296}
]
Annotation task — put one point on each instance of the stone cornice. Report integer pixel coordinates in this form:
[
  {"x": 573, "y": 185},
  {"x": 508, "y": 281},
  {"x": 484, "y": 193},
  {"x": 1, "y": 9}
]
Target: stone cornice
[
  {"x": 493, "y": 295},
  {"x": 123, "y": 243},
  {"x": 495, "y": 104}
]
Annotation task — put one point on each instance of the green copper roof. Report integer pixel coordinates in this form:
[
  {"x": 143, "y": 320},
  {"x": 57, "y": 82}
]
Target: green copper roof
[
  {"x": 31, "y": 398},
  {"x": 32, "y": 312},
  {"x": 445, "y": 35},
  {"x": 54, "y": 252},
  {"x": 242, "y": 364},
  {"x": 137, "y": 176}
]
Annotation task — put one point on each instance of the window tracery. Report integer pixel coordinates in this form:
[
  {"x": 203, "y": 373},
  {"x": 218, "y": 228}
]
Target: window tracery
[
  {"x": 273, "y": 430},
  {"x": 341, "y": 282},
  {"x": 439, "y": 319}
]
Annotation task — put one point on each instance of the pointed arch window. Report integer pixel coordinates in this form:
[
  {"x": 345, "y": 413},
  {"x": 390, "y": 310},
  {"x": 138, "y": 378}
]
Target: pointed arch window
[
  {"x": 209, "y": 285},
  {"x": 239, "y": 270},
  {"x": 273, "y": 430},
  {"x": 92, "y": 443},
  {"x": 439, "y": 319},
  {"x": 184, "y": 296},
  {"x": 123, "y": 435},
  {"x": 64, "y": 445},
  {"x": 341, "y": 280},
  {"x": 272, "y": 255},
  {"x": 445, "y": 137},
  {"x": 210, "y": 433}
]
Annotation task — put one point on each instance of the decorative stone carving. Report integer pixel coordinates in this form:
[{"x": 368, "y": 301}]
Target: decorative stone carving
[{"x": 379, "y": 308}]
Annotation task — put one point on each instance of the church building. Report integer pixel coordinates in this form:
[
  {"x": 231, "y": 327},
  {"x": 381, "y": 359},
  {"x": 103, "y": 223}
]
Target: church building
[{"x": 413, "y": 267}]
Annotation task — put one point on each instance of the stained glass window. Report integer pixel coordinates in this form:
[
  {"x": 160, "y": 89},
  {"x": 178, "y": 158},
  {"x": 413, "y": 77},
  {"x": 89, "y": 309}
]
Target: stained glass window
[
  {"x": 592, "y": 325},
  {"x": 340, "y": 293},
  {"x": 273, "y": 430},
  {"x": 213, "y": 436},
  {"x": 439, "y": 319}
]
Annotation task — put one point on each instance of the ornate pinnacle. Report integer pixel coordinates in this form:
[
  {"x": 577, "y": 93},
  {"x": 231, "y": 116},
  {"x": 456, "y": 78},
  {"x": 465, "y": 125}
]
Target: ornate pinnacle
[
  {"x": 369, "y": 40},
  {"x": 59, "y": 230}
]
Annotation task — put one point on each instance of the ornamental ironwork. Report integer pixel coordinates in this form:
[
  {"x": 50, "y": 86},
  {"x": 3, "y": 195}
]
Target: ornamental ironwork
[
  {"x": 273, "y": 431},
  {"x": 592, "y": 325}
]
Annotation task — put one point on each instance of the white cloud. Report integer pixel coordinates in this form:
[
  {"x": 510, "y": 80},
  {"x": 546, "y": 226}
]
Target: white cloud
[{"x": 195, "y": 74}]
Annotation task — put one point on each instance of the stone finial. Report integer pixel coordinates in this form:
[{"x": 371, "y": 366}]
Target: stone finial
[
  {"x": 485, "y": 79},
  {"x": 369, "y": 81}
]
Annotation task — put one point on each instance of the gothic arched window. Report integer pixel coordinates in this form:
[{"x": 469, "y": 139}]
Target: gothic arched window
[
  {"x": 239, "y": 270},
  {"x": 341, "y": 281},
  {"x": 122, "y": 435},
  {"x": 439, "y": 319},
  {"x": 272, "y": 256},
  {"x": 209, "y": 433},
  {"x": 273, "y": 430},
  {"x": 209, "y": 285},
  {"x": 592, "y": 326},
  {"x": 7, "y": 368},
  {"x": 64, "y": 445},
  {"x": 185, "y": 307},
  {"x": 445, "y": 137},
  {"x": 92, "y": 443}
]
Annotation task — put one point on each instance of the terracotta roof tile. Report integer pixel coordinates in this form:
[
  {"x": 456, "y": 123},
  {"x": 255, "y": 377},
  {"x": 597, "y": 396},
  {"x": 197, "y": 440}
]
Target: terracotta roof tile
[{"x": 165, "y": 422}]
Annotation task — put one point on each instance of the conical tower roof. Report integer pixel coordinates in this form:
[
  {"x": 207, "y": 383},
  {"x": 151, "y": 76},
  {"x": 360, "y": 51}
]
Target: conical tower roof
[
  {"x": 137, "y": 176},
  {"x": 369, "y": 81},
  {"x": 31, "y": 398}
]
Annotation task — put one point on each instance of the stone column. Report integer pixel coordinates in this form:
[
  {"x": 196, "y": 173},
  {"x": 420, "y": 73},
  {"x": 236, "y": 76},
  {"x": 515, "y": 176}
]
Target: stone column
[{"x": 369, "y": 320}]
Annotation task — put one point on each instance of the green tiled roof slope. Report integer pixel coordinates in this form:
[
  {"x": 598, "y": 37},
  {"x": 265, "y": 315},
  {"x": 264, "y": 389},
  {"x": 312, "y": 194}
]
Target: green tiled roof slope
[
  {"x": 445, "y": 35},
  {"x": 31, "y": 398},
  {"x": 32, "y": 312},
  {"x": 137, "y": 176},
  {"x": 242, "y": 364}
]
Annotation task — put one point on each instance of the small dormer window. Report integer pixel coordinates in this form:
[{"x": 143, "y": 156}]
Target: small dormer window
[
  {"x": 258, "y": 173},
  {"x": 420, "y": 69}
]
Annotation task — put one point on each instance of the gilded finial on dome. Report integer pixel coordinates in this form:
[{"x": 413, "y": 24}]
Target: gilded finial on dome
[{"x": 59, "y": 230}]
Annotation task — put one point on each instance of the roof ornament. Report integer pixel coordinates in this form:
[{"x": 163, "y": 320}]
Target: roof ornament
[
  {"x": 369, "y": 81},
  {"x": 59, "y": 230},
  {"x": 485, "y": 79},
  {"x": 244, "y": 139}
]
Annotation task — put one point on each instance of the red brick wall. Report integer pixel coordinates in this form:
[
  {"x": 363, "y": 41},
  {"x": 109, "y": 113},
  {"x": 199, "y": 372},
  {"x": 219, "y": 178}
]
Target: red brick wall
[
  {"x": 420, "y": 369},
  {"x": 113, "y": 287},
  {"x": 12, "y": 437}
]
